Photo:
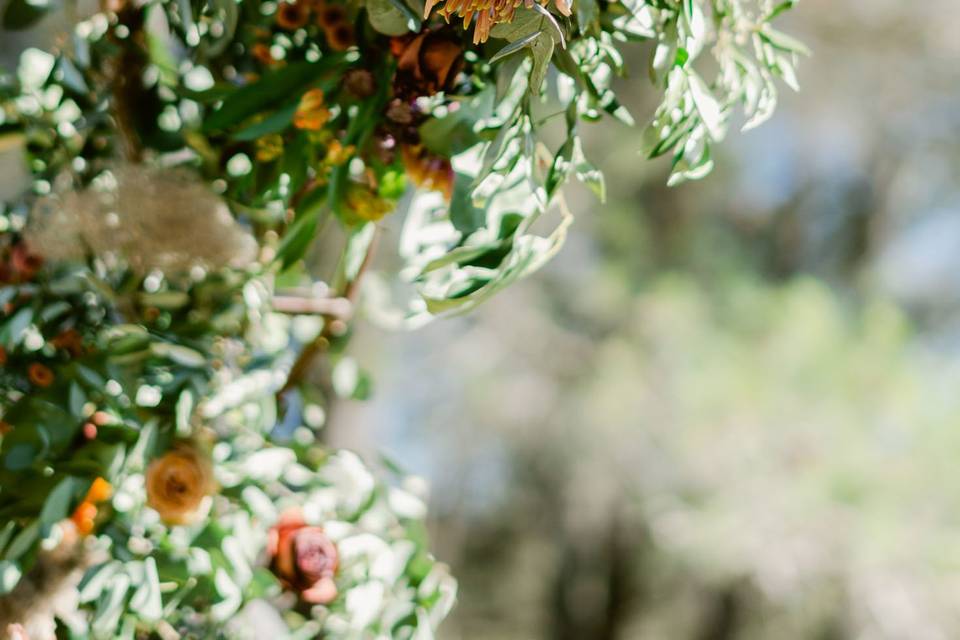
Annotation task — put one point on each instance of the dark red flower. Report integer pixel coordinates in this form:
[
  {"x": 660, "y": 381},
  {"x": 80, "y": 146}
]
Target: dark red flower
[
  {"x": 427, "y": 62},
  {"x": 303, "y": 557},
  {"x": 23, "y": 263}
]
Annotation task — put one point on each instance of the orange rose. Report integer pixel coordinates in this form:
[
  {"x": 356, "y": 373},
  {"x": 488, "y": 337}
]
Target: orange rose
[
  {"x": 177, "y": 483},
  {"x": 303, "y": 557},
  {"x": 40, "y": 375}
]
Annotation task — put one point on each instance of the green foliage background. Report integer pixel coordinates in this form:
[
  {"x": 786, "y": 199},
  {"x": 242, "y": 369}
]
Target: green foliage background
[{"x": 727, "y": 410}]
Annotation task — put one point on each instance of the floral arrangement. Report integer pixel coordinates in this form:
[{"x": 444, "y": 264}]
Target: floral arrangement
[{"x": 164, "y": 301}]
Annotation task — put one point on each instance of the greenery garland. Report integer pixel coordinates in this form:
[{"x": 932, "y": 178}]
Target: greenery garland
[{"x": 160, "y": 472}]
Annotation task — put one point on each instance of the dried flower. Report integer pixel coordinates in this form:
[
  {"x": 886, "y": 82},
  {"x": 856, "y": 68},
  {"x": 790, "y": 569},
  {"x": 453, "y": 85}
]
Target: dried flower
[
  {"x": 427, "y": 62},
  {"x": 70, "y": 341},
  {"x": 292, "y": 15},
  {"x": 337, "y": 154},
  {"x": 261, "y": 52},
  {"x": 48, "y": 591},
  {"x": 330, "y": 16},
  {"x": 177, "y": 483},
  {"x": 428, "y": 170},
  {"x": 365, "y": 203},
  {"x": 488, "y": 12},
  {"x": 340, "y": 37},
  {"x": 303, "y": 557},
  {"x": 40, "y": 375},
  {"x": 401, "y": 112},
  {"x": 269, "y": 147},
  {"x": 164, "y": 219},
  {"x": 311, "y": 115},
  {"x": 359, "y": 83}
]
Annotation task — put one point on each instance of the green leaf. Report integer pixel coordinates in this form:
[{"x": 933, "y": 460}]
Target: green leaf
[
  {"x": 534, "y": 29},
  {"x": 95, "y": 580},
  {"x": 587, "y": 14},
  {"x": 77, "y": 398},
  {"x": 274, "y": 87},
  {"x": 516, "y": 45},
  {"x": 455, "y": 132},
  {"x": 466, "y": 217},
  {"x": 111, "y": 606},
  {"x": 146, "y": 601},
  {"x": 9, "y": 576},
  {"x": 707, "y": 106},
  {"x": 57, "y": 505},
  {"x": 21, "y": 14},
  {"x": 783, "y": 42},
  {"x": 527, "y": 254},
  {"x": 14, "y": 329},
  {"x": 542, "y": 51},
  {"x": 358, "y": 244},
  {"x": 392, "y": 17},
  {"x": 23, "y": 541},
  {"x": 183, "y": 356},
  {"x": 524, "y": 23},
  {"x": 274, "y": 123},
  {"x": 158, "y": 38},
  {"x": 184, "y": 410},
  {"x": 5, "y": 534},
  {"x": 231, "y": 596},
  {"x": 297, "y": 238}
]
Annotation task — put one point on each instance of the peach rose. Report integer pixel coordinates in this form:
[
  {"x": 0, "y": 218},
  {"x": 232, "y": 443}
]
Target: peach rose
[
  {"x": 177, "y": 483},
  {"x": 303, "y": 557}
]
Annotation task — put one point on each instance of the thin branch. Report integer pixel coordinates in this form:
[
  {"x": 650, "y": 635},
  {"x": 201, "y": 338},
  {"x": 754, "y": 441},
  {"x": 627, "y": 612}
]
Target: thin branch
[
  {"x": 310, "y": 305},
  {"x": 333, "y": 326},
  {"x": 125, "y": 74}
]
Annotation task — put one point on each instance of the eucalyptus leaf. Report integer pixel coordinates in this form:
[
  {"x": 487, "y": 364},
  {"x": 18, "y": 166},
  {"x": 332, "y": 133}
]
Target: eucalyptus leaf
[{"x": 392, "y": 17}]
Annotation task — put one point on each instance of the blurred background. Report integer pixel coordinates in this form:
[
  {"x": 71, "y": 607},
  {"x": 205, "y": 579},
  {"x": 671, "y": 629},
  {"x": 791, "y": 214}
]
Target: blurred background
[{"x": 726, "y": 410}]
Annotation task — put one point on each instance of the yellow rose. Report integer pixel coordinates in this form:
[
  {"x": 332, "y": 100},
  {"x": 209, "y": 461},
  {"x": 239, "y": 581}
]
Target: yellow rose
[{"x": 177, "y": 483}]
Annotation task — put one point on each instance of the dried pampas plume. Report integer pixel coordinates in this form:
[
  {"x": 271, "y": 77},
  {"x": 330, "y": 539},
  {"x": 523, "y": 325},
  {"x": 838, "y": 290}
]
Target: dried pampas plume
[
  {"x": 47, "y": 592},
  {"x": 149, "y": 218}
]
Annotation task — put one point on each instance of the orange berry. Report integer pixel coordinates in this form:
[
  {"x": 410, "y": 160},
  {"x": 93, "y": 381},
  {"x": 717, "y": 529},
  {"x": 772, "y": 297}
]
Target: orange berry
[
  {"x": 100, "y": 491},
  {"x": 40, "y": 375},
  {"x": 83, "y": 517}
]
